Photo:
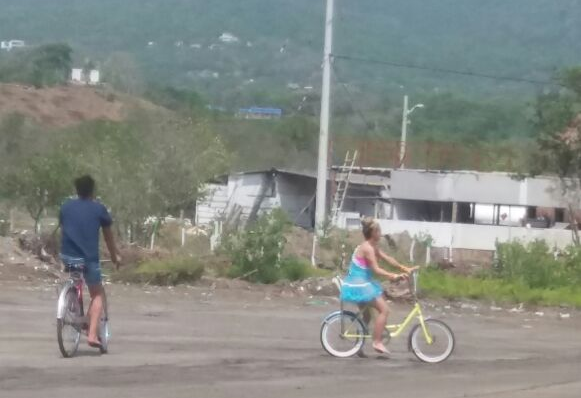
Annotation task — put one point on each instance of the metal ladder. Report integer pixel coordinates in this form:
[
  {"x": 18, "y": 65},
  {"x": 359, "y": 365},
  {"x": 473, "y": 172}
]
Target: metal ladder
[{"x": 343, "y": 185}]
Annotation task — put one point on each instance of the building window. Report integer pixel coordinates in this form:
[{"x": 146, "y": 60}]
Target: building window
[
  {"x": 271, "y": 190},
  {"x": 560, "y": 215}
]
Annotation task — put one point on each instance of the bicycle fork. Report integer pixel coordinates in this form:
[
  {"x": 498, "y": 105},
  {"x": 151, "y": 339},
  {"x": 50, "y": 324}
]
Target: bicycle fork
[{"x": 417, "y": 312}]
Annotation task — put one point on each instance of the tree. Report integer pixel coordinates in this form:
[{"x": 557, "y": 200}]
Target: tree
[
  {"x": 12, "y": 140},
  {"x": 41, "y": 66},
  {"x": 51, "y": 64},
  {"x": 147, "y": 167},
  {"x": 301, "y": 132},
  {"x": 41, "y": 184},
  {"x": 184, "y": 155},
  {"x": 185, "y": 101},
  {"x": 114, "y": 153},
  {"x": 559, "y": 140}
]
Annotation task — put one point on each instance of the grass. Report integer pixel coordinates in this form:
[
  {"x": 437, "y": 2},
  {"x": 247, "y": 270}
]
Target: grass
[
  {"x": 165, "y": 272},
  {"x": 450, "y": 286}
]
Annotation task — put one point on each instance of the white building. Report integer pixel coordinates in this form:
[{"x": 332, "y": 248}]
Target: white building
[
  {"x": 465, "y": 213},
  {"x": 12, "y": 44},
  {"x": 464, "y": 210},
  {"x": 240, "y": 197},
  {"x": 82, "y": 77},
  {"x": 227, "y": 37}
]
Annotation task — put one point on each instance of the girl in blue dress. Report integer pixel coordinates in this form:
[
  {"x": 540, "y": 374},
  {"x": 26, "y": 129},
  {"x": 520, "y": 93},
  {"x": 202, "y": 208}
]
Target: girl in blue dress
[{"x": 360, "y": 286}]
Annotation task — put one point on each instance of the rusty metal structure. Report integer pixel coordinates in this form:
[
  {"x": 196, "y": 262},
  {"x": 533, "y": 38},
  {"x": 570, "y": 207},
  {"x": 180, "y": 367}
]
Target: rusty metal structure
[{"x": 435, "y": 155}]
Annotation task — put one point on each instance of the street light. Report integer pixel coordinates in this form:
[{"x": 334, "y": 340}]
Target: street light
[
  {"x": 404, "y": 127},
  {"x": 417, "y": 106}
]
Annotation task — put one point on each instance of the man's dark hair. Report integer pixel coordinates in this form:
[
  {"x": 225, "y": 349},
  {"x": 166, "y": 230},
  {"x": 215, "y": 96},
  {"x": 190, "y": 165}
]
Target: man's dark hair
[{"x": 85, "y": 186}]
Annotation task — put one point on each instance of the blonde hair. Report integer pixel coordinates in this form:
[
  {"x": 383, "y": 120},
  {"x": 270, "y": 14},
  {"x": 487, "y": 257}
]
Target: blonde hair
[{"x": 369, "y": 225}]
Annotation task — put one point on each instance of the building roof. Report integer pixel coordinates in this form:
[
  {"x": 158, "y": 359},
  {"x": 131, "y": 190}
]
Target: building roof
[
  {"x": 262, "y": 111},
  {"x": 307, "y": 174},
  {"x": 275, "y": 170},
  {"x": 476, "y": 187}
]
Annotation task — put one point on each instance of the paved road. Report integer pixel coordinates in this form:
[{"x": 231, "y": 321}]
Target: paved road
[{"x": 187, "y": 343}]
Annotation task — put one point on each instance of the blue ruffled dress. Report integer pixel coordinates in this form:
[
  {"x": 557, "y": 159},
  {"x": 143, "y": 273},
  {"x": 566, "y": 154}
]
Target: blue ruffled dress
[{"x": 359, "y": 286}]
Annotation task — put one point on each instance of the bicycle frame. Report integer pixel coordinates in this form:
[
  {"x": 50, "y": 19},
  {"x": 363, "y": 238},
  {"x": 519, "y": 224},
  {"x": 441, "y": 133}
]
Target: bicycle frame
[
  {"x": 76, "y": 282},
  {"x": 397, "y": 329}
]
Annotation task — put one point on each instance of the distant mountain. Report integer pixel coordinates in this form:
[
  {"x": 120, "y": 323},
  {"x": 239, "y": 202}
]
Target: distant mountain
[{"x": 228, "y": 47}]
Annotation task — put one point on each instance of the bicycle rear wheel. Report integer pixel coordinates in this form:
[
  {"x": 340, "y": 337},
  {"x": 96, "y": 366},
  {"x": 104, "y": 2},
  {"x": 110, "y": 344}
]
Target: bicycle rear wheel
[
  {"x": 104, "y": 332},
  {"x": 68, "y": 329},
  {"x": 343, "y": 334},
  {"x": 441, "y": 346}
]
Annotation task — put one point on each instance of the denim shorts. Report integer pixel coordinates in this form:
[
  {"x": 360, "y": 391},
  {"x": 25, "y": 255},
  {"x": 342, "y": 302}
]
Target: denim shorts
[{"x": 91, "y": 270}]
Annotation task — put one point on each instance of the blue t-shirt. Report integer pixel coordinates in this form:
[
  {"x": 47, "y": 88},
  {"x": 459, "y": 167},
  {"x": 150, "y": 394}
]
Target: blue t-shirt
[{"x": 81, "y": 221}]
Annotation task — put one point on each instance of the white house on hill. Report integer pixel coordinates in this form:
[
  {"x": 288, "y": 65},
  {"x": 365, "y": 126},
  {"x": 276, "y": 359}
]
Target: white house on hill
[
  {"x": 83, "y": 77},
  {"x": 227, "y": 37},
  {"x": 12, "y": 44}
]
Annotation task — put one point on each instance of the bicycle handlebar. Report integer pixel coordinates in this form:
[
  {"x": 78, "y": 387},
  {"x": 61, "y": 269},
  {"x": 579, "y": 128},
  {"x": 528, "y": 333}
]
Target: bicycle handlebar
[{"x": 413, "y": 281}]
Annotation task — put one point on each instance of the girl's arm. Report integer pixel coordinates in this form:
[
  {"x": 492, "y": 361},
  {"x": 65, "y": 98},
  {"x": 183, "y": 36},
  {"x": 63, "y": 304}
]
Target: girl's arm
[
  {"x": 372, "y": 260},
  {"x": 392, "y": 261}
]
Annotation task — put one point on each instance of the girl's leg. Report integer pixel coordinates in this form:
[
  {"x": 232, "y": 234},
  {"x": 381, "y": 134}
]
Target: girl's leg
[
  {"x": 366, "y": 315},
  {"x": 380, "y": 321}
]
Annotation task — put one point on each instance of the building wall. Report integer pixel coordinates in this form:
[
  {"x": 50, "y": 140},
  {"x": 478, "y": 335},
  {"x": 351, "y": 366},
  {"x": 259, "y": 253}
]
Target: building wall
[
  {"x": 475, "y": 237},
  {"x": 244, "y": 189},
  {"x": 77, "y": 75},
  {"x": 212, "y": 205},
  {"x": 94, "y": 77},
  {"x": 363, "y": 200},
  {"x": 474, "y": 187},
  {"x": 291, "y": 193},
  {"x": 296, "y": 193}
]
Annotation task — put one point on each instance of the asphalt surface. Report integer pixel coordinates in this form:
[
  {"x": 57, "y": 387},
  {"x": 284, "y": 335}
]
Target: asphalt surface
[{"x": 191, "y": 342}]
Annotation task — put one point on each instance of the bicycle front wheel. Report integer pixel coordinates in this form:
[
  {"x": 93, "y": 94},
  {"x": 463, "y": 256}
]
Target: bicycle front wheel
[
  {"x": 343, "y": 334},
  {"x": 68, "y": 328},
  {"x": 439, "y": 348}
]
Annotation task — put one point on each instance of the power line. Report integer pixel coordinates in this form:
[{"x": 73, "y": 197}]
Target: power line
[
  {"x": 447, "y": 71},
  {"x": 351, "y": 100}
]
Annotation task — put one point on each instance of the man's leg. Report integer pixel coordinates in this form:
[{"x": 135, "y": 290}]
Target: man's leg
[
  {"x": 95, "y": 309},
  {"x": 94, "y": 282}
]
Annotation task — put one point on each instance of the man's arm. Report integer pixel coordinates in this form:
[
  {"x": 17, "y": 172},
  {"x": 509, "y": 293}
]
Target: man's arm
[{"x": 110, "y": 242}]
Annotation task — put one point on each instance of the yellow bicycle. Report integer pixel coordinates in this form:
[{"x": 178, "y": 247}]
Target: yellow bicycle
[{"x": 343, "y": 332}]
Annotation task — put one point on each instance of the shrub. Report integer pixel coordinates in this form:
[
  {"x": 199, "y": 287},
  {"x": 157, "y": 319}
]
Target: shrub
[
  {"x": 164, "y": 272},
  {"x": 450, "y": 286},
  {"x": 537, "y": 266},
  {"x": 295, "y": 269},
  {"x": 256, "y": 252}
]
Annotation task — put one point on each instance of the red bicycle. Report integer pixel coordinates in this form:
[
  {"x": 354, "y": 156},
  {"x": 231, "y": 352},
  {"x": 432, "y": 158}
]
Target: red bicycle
[{"x": 71, "y": 318}]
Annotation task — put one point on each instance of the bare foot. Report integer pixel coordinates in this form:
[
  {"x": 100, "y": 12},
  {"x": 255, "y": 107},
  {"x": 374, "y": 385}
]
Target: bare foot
[
  {"x": 94, "y": 342},
  {"x": 380, "y": 348}
]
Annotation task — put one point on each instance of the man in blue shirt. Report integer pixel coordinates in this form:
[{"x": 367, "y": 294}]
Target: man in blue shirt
[{"x": 81, "y": 221}]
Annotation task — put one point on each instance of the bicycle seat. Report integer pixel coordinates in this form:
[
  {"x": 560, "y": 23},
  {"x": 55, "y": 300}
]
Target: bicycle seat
[{"x": 74, "y": 267}]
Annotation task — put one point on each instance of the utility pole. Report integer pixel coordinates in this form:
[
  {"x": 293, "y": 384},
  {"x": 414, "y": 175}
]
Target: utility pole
[
  {"x": 404, "y": 128},
  {"x": 323, "y": 166},
  {"x": 404, "y": 131}
]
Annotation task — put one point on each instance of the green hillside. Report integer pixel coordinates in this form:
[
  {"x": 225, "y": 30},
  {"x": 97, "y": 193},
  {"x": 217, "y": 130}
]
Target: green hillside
[{"x": 524, "y": 38}]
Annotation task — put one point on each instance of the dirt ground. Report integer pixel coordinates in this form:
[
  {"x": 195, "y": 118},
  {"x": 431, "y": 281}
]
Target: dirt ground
[
  {"x": 203, "y": 342},
  {"x": 66, "y": 105}
]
